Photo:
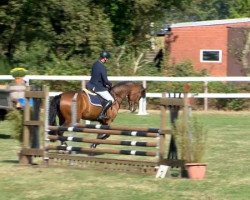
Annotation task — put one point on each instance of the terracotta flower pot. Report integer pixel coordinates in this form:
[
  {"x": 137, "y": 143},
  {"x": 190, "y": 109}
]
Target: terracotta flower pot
[{"x": 196, "y": 171}]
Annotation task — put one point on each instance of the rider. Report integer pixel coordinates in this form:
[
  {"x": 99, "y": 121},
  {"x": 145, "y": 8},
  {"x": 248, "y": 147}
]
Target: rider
[{"x": 100, "y": 84}]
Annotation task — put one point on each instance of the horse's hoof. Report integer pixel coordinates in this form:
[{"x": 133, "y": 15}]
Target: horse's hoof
[
  {"x": 52, "y": 133},
  {"x": 91, "y": 154},
  {"x": 93, "y": 146},
  {"x": 64, "y": 144},
  {"x": 95, "y": 154}
]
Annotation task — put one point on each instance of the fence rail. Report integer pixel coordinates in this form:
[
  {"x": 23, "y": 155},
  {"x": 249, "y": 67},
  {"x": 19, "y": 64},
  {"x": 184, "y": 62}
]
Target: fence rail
[{"x": 144, "y": 79}]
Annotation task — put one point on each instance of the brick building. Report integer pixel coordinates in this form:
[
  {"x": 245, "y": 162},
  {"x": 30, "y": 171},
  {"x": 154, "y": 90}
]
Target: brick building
[{"x": 216, "y": 45}]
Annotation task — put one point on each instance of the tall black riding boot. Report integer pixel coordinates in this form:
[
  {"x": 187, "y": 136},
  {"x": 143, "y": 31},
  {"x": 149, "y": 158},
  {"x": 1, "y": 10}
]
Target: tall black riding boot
[{"x": 102, "y": 115}]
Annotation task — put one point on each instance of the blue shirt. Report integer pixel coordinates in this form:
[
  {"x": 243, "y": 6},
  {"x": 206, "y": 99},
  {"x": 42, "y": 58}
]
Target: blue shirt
[{"x": 99, "y": 79}]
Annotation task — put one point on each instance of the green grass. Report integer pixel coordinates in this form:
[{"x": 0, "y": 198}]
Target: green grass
[{"x": 227, "y": 178}]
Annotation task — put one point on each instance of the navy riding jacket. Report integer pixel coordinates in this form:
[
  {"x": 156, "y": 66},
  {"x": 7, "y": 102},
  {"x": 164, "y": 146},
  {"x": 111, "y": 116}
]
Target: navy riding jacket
[{"x": 99, "y": 80}]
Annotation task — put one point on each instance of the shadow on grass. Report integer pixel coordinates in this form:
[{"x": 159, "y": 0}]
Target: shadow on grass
[
  {"x": 9, "y": 161},
  {"x": 4, "y": 136}
]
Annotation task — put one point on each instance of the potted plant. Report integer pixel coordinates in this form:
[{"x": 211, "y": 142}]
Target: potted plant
[
  {"x": 18, "y": 73},
  {"x": 191, "y": 138}
]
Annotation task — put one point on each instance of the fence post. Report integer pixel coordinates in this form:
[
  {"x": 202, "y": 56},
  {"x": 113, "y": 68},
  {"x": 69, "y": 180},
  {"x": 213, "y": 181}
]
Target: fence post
[
  {"x": 26, "y": 129},
  {"x": 35, "y": 116},
  {"x": 205, "y": 98},
  {"x": 46, "y": 124},
  {"x": 163, "y": 131},
  {"x": 83, "y": 82}
]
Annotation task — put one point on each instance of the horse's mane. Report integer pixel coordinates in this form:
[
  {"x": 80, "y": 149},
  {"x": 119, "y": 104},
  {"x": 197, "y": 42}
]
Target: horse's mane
[{"x": 124, "y": 83}]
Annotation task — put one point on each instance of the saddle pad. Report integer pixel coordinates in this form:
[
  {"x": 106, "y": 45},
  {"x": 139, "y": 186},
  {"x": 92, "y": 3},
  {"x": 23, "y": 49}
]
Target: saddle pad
[
  {"x": 94, "y": 99},
  {"x": 88, "y": 92}
]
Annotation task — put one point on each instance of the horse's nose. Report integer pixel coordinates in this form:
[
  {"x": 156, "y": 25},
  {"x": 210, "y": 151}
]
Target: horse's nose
[{"x": 132, "y": 107}]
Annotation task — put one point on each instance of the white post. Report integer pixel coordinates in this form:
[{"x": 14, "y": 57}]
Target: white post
[
  {"x": 83, "y": 84},
  {"x": 143, "y": 103},
  {"x": 27, "y": 81}
]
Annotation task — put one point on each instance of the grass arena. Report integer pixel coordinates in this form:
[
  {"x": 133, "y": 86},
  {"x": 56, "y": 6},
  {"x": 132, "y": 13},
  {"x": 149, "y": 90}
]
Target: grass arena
[{"x": 227, "y": 176}]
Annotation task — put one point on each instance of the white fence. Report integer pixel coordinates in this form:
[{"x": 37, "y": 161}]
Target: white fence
[{"x": 144, "y": 79}]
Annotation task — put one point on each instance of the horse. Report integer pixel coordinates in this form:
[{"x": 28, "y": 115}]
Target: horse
[{"x": 61, "y": 106}]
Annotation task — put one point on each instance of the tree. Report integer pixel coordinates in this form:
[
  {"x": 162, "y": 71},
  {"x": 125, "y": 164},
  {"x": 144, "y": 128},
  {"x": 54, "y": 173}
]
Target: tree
[
  {"x": 52, "y": 36},
  {"x": 131, "y": 19},
  {"x": 201, "y": 10},
  {"x": 53, "y": 33},
  {"x": 240, "y": 8}
]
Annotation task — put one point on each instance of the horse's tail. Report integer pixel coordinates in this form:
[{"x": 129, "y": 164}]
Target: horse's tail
[{"x": 54, "y": 111}]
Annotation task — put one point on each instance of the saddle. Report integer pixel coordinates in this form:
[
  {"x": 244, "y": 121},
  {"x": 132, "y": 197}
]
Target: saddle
[{"x": 94, "y": 99}]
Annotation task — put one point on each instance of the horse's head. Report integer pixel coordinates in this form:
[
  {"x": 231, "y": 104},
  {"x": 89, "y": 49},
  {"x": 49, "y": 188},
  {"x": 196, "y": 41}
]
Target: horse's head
[
  {"x": 132, "y": 91},
  {"x": 137, "y": 92}
]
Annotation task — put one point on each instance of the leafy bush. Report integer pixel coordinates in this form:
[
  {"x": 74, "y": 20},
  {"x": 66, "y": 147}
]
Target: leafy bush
[
  {"x": 16, "y": 120},
  {"x": 226, "y": 103}
]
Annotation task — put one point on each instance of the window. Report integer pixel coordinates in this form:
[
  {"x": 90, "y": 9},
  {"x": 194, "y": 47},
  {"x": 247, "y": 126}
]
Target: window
[{"x": 214, "y": 56}]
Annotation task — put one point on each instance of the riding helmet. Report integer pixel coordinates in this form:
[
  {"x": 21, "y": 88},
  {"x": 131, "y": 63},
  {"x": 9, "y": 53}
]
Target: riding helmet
[{"x": 105, "y": 54}]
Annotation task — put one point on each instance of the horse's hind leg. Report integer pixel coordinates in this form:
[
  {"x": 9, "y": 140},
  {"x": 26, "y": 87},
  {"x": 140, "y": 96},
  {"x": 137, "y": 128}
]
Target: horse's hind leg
[{"x": 61, "y": 121}]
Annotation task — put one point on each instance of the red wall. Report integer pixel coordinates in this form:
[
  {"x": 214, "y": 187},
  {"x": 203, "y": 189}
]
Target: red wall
[{"x": 186, "y": 43}]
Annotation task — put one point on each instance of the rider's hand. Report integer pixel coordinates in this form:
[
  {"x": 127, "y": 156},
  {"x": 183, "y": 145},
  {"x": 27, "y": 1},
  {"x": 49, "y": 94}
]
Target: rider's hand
[{"x": 109, "y": 85}]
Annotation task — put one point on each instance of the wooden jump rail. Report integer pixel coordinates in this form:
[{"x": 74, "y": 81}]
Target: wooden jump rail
[
  {"x": 112, "y": 127},
  {"x": 104, "y": 131},
  {"x": 100, "y": 141},
  {"x": 50, "y": 152},
  {"x": 96, "y": 150}
]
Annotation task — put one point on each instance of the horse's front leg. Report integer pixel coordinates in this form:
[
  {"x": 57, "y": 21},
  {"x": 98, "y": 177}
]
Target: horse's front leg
[
  {"x": 58, "y": 133},
  {"x": 101, "y": 136}
]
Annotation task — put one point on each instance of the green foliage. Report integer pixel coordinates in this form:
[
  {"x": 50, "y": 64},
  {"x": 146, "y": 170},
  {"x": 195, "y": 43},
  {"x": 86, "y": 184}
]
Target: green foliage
[
  {"x": 65, "y": 37},
  {"x": 239, "y": 8},
  {"x": 18, "y": 72},
  {"x": 4, "y": 65},
  {"x": 15, "y": 117},
  {"x": 183, "y": 69},
  {"x": 131, "y": 19},
  {"x": 200, "y": 10},
  {"x": 236, "y": 104},
  {"x": 33, "y": 55},
  {"x": 191, "y": 138},
  {"x": 46, "y": 34},
  {"x": 227, "y": 103}
]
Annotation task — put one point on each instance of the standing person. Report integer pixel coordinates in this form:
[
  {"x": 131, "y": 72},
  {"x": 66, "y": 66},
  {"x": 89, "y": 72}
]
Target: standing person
[{"x": 100, "y": 84}]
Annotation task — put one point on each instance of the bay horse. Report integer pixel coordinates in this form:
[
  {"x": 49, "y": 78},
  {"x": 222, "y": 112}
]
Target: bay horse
[{"x": 61, "y": 106}]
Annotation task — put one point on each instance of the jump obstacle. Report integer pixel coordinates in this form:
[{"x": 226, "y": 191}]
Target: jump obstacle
[{"x": 62, "y": 155}]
